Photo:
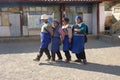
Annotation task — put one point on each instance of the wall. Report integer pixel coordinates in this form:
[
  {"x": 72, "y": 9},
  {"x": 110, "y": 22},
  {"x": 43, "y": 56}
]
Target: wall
[
  {"x": 94, "y": 20},
  {"x": 33, "y": 31},
  {"x": 102, "y": 17},
  {"x": 25, "y": 30},
  {"x": 4, "y": 31},
  {"x": 87, "y": 19}
]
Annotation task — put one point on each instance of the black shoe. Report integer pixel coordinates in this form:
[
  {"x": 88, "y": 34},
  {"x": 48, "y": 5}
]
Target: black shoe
[
  {"x": 84, "y": 61},
  {"x": 59, "y": 60},
  {"x": 78, "y": 60},
  {"x": 36, "y": 59},
  {"x": 67, "y": 61}
]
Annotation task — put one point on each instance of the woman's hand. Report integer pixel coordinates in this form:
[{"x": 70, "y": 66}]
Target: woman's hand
[{"x": 77, "y": 30}]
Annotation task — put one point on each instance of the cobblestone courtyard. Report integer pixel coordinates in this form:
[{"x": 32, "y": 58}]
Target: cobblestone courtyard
[{"x": 16, "y": 63}]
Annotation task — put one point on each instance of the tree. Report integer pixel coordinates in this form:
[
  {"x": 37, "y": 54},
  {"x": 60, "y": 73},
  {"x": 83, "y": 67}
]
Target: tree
[{"x": 108, "y": 5}]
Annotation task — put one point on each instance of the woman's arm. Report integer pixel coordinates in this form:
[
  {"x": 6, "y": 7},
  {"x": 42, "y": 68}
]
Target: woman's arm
[
  {"x": 50, "y": 29},
  {"x": 61, "y": 33}
]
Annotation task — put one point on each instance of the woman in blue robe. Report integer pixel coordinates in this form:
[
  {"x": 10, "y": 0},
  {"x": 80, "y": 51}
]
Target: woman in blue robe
[
  {"x": 67, "y": 40},
  {"x": 45, "y": 35},
  {"x": 78, "y": 40},
  {"x": 56, "y": 40}
]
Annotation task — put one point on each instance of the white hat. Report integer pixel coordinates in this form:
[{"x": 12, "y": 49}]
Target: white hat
[{"x": 44, "y": 16}]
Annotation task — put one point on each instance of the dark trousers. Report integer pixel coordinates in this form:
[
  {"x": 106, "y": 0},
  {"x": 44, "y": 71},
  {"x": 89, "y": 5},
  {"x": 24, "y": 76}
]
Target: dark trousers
[
  {"x": 58, "y": 54},
  {"x": 81, "y": 55},
  {"x": 67, "y": 55},
  {"x": 46, "y": 52}
]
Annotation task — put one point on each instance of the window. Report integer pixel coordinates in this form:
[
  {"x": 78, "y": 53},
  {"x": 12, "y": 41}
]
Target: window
[
  {"x": 38, "y": 9},
  {"x": 50, "y": 10},
  {"x": 89, "y": 9},
  {"x": 44, "y": 9},
  {"x": 4, "y": 16},
  {"x": 56, "y": 12},
  {"x": 79, "y": 9},
  {"x": 31, "y": 15},
  {"x": 5, "y": 19},
  {"x": 85, "y": 9},
  {"x": 25, "y": 8},
  {"x": 72, "y": 11},
  {"x": 32, "y": 9},
  {"x": 13, "y": 9},
  {"x": 4, "y": 9}
]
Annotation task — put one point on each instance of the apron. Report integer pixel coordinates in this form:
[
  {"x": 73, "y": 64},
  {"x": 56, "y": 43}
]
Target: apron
[
  {"x": 77, "y": 44},
  {"x": 45, "y": 40},
  {"x": 55, "y": 44},
  {"x": 66, "y": 44}
]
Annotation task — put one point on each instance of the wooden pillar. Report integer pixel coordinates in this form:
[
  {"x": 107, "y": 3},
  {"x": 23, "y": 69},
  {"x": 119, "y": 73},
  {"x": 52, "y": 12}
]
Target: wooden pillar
[
  {"x": 62, "y": 12},
  {"x": 21, "y": 19},
  {"x": 98, "y": 19}
]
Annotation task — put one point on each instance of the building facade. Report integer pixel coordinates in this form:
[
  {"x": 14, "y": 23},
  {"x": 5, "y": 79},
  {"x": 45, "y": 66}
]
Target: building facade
[{"x": 22, "y": 17}]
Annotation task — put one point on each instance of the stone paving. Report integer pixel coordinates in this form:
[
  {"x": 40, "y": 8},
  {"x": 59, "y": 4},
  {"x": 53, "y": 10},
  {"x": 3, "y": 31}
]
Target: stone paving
[{"x": 16, "y": 63}]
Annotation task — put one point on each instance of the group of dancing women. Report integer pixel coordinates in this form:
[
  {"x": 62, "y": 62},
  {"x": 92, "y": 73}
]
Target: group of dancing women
[{"x": 71, "y": 37}]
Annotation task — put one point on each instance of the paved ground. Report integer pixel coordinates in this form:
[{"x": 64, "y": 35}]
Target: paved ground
[{"x": 16, "y": 63}]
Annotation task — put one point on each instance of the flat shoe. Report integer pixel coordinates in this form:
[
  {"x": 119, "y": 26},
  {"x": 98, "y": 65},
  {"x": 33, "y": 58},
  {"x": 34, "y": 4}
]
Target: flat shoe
[{"x": 78, "y": 61}]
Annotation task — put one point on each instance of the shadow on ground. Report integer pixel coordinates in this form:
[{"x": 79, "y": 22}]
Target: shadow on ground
[{"x": 108, "y": 69}]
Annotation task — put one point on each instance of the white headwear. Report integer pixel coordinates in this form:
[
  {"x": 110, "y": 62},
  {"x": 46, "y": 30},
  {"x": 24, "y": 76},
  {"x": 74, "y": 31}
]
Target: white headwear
[{"x": 44, "y": 16}]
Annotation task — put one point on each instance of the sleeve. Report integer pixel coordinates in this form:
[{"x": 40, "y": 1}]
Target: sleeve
[
  {"x": 69, "y": 32},
  {"x": 61, "y": 33},
  {"x": 50, "y": 29},
  {"x": 83, "y": 28}
]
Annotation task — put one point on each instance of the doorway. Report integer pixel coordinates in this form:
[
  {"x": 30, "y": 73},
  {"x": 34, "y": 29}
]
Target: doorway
[{"x": 14, "y": 24}]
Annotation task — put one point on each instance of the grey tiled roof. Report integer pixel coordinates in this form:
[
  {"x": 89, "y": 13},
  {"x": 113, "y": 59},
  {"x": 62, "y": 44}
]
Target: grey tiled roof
[{"x": 54, "y": 0}]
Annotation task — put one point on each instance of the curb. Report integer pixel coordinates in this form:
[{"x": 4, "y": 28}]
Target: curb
[
  {"x": 19, "y": 39},
  {"x": 30, "y": 38}
]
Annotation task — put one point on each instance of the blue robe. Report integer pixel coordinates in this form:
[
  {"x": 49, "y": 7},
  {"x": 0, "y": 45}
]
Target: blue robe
[
  {"x": 78, "y": 40},
  {"x": 55, "y": 40},
  {"x": 66, "y": 44},
  {"x": 77, "y": 44},
  {"x": 45, "y": 40},
  {"x": 55, "y": 44}
]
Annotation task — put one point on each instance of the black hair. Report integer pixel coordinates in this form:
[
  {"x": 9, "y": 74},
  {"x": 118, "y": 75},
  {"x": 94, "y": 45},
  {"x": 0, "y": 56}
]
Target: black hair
[{"x": 66, "y": 19}]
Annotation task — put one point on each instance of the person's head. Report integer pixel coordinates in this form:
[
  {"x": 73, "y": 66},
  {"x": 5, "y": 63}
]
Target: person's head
[
  {"x": 65, "y": 21},
  {"x": 56, "y": 23},
  {"x": 78, "y": 19},
  {"x": 44, "y": 18}
]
